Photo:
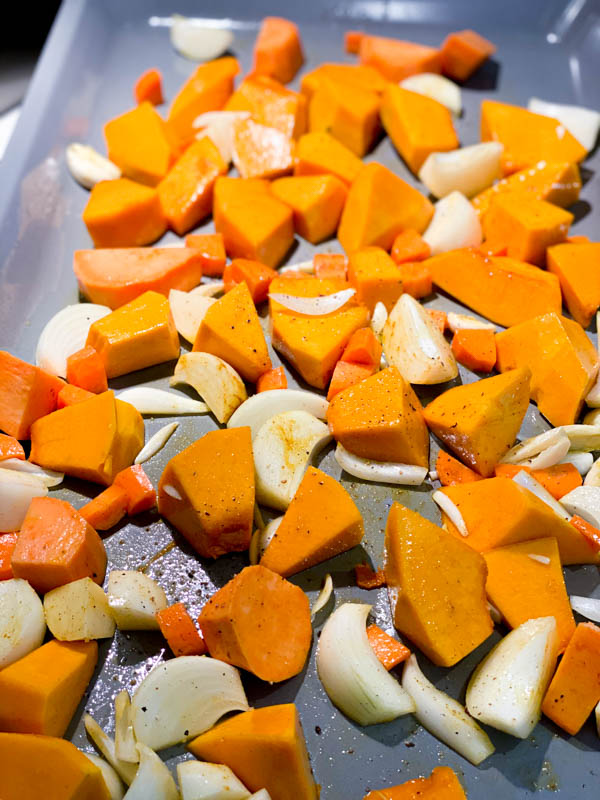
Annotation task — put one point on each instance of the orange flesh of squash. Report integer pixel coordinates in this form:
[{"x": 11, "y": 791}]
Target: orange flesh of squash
[
  {"x": 270, "y": 103},
  {"x": 277, "y": 50},
  {"x": 450, "y": 471},
  {"x": 475, "y": 349},
  {"x": 138, "y": 143},
  {"x": 346, "y": 111},
  {"x": 260, "y": 151},
  {"x": 27, "y": 393},
  {"x": 463, "y": 52},
  {"x": 375, "y": 276},
  {"x": 317, "y": 202},
  {"x": 211, "y": 250},
  {"x": 8, "y": 542},
  {"x": 356, "y": 75},
  {"x": 396, "y": 59},
  {"x": 577, "y": 267},
  {"x": 318, "y": 153},
  {"x": 86, "y": 370},
  {"x": 559, "y": 479},
  {"x": 442, "y": 784},
  {"x": 148, "y": 87},
  {"x": 346, "y": 375},
  {"x": 10, "y": 448}
]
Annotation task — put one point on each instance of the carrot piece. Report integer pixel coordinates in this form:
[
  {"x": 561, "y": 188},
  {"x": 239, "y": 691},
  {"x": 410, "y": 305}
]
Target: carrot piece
[
  {"x": 591, "y": 533},
  {"x": 559, "y": 479},
  {"x": 352, "y": 40},
  {"x": 278, "y": 50},
  {"x": 363, "y": 348},
  {"x": 331, "y": 266},
  {"x": 179, "y": 630},
  {"x": 212, "y": 249},
  {"x": 8, "y": 542},
  {"x": 416, "y": 278},
  {"x": 409, "y": 246},
  {"x": 439, "y": 317},
  {"x": 272, "y": 379},
  {"x": 475, "y": 349},
  {"x": 367, "y": 578},
  {"x": 463, "y": 52},
  {"x": 141, "y": 495},
  {"x": 388, "y": 650},
  {"x": 575, "y": 689},
  {"x": 149, "y": 87},
  {"x": 57, "y": 545},
  {"x": 450, "y": 471},
  {"x": 10, "y": 448},
  {"x": 85, "y": 369},
  {"x": 70, "y": 395},
  {"x": 106, "y": 509},
  {"x": 255, "y": 275},
  {"x": 396, "y": 59},
  {"x": 345, "y": 375},
  {"x": 26, "y": 394}
]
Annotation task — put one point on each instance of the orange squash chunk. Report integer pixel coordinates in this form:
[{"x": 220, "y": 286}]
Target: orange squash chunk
[
  {"x": 41, "y": 692},
  {"x": 123, "y": 213},
  {"x": 207, "y": 89},
  {"x": 559, "y": 480},
  {"x": 523, "y": 588},
  {"x": 277, "y": 50},
  {"x": 558, "y": 183},
  {"x": 27, "y": 393},
  {"x": 356, "y": 75},
  {"x": 346, "y": 111},
  {"x": 231, "y": 330},
  {"x": 562, "y": 360},
  {"x": 319, "y": 153},
  {"x": 502, "y": 289},
  {"x": 396, "y": 59},
  {"x": 137, "y": 335},
  {"x": 260, "y": 151},
  {"x": 270, "y": 103},
  {"x": 375, "y": 277},
  {"x": 207, "y": 492},
  {"x": 10, "y": 448},
  {"x": 379, "y": 206},
  {"x": 575, "y": 689},
  {"x": 381, "y": 418},
  {"x": 417, "y": 125},
  {"x": 322, "y": 521},
  {"x": 577, "y": 267},
  {"x": 186, "y": 191},
  {"x": 527, "y": 137},
  {"x": 255, "y": 275},
  {"x": 463, "y": 52},
  {"x": 475, "y": 349},
  {"x": 317, "y": 202},
  {"x": 253, "y": 222},
  {"x": 450, "y": 471},
  {"x": 436, "y": 586},
  {"x": 67, "y": 440},
  {"x": 48, "y": 767},
  {"x": 265, "y": 748},
  {"x": 138, "y": 143},
  {"x": 211, "y": 250},
  {"x": 149, "y": 87},
  {"x": 442, "y": 784},
  {"x": 409, "y": 247},
  {"x": 346, "y": 375},
  {"x": 480, "y": 421},
  {"x": 499, "y": 512}
]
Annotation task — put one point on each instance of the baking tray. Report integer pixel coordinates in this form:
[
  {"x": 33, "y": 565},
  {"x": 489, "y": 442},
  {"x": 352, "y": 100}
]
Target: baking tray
[{"x": 85, "y": 76}]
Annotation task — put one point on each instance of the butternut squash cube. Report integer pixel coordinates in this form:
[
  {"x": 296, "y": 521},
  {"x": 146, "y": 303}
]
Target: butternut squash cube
[
  {"x": 265, "y": 748},
  {"x": 260, "y": 151},
  {"x": 139, "y": 334},
  {"x": 417, "y": 125},
  {"x": 436, "y": 586},
  {"x": 41, "y": 692},
  {"x": 375, "y": 276},
  {"x": 138, "y": 143},
  {"x": 231, "y": 330},
  {"x": 322, "y": 521},
  {"x": 480, "y": 421},
  {"x": 396, "y": 59},
  {"x": 27, "y": 393},
  {"x": 207, "y": 492},
  {"x": 562, "y": 360},
  {"x": 442, "y": 784},
  {"x": 381, "y": 418},
  {"x": 317, "y": 202},
  {"x": 357, "y": 75},
  {"x": 270, "y": 103},
  {"x": 348, "y": 112},
  {"x": 319, "y": 153},
  {"x": 577, "y": 267}
]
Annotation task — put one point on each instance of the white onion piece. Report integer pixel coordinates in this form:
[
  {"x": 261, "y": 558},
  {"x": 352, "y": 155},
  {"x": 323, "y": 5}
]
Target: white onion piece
[
  {"x": 184, "y": 697},
  {"x": 455, "y": 224},
  {"x": 585, "y": 502},
  {"x": 583, "y": 438},
  {"x": 528, "y": 482},
  {"x": 307, "y": 267},
  {"x": 153, "y": 780},
  {"x": 451, "y": 510},
  {"x": 463, "y": 322},
  {"x": 468, "y": 170},
  {"x": 218, "y": 126},
  {"x": 48, "y": 477},
  {"x": 188, "y": 311},
  {"x": 209, "y": 289},
  {"x": 433, "y": 475},
  {"x": 379, "y": 471},
  {"x": 111, "y": 778},
  {"x": 156, "y": 443},
  {"x": 582, "y": 123},
  {"x": 261, "y": 539},
  {"x": 17, "y": 490},
  {"x": 209, "y": 118},
  {"x": 22, "y": 622},
  {"x": 199, "y": 780},
  {"x": 64, "y": 334},
  {"x": 314, "y": 306},
  {"x": 134, "y": 599},
  {"x": 593, "y": 476},
  {"x": 258, "y": 517},
  {"x": 507, "y": 688},
  {"x": 582, "y": 462},
  {"x": 494, "y": 613},
  {"x": 549, "y": 457},
  {"x": 586, "y": 606},
  {"x": 597, "y": 715},
  {"x": 378, "y": 319},
  {"x": 195, "y": 40},
  {"x": 106, "y": 746},
  {"x": 444, "y": 717},
  {"x": 78, "y": 610},
  {"x": 172, "y": 492},
  {"x": 592, "y": 417},
  {"x": 125, "y": 743},
  {"x": 540, "y": 559},
  {"x": 256, "y": 410},
  {"x": 526, "y": 451},
  {"x": 352, "y": 675},
  {"x": 437, "y": 87},
  {"x": 88, "y": 167},
  {"x": 151, "y": 401},
  {"x": 324, "y": 596},
  {"x": 216, "y": 381},
  {"x": 262, "y": 794}
]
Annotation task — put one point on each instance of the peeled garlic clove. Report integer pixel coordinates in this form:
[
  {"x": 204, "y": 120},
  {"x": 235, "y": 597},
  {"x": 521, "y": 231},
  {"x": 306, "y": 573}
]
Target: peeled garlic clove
[
  {"x": 437, "y": 87},
  {"x": 378, "y": 319},
  {"x": 468, "y": 170},
  {"x": 218, "y": 126},
  {"x": 64, "y": 334},
  {"x": 195, "y": 40},
  {"x": 455, "y": 224},
  {"x": 88, "y": 167},
  {"x": 584, "y": 501},
  {"x": 188, "y": 311},
  {"x": 582, "y": 123},
  {"x": 217, "y": 383}
]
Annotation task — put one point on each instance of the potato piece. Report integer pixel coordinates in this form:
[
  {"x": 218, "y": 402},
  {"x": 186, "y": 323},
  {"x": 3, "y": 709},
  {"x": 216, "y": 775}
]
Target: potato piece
[{"x": 78, "y": 610}]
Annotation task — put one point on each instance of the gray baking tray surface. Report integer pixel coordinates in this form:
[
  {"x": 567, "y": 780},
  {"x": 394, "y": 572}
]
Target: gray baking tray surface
[{"x": 95, "y": 52}]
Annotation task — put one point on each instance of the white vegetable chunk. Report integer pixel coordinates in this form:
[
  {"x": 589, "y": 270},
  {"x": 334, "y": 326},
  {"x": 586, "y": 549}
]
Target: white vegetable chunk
[
  {"x": 78, "y": 610},
  {"x": 437, "y": 87},
  {"x": 256, "y": 410},
  {"x": 64, "y": 334},
  {"x": 200, "y": 780},
  {"x": 17, "y": 490},
  {"x": 215, "y": 380},
  {"x": 468, "y": 170},
  {"x": 153, "y": 780},
  {"x": 582, "y": 123},
  {"x": 134, "y": 600},
  {"x": 455, "y": 224},
  {"x": 196, "y": 40},
  {"x": 22, "y": 622}
]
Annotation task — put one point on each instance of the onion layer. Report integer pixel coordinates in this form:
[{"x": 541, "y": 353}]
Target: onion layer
[
  {"x": 64, "y": 334},
  {"x": 379, "y": 471},
  {"x": 314, "y": 306},
  {"x": 256, "y": 410},
  {"x": 586, "y": 606},
  {"x": 528, "y": 482}
]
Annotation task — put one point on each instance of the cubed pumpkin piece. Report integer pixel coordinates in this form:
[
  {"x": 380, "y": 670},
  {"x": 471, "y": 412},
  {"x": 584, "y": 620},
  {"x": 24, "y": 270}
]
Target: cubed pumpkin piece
[
  {"x": 317, "y": 202},
  {"x": 85, "y": 369},
  {"x": 260, "y": 151},
  {"x": 450, "y": 471},
  {"x": 348, "y": 112},
  {"x": 255, "y": 275},
  {"x": 139, "y": 334},
  {"x": 322, "y": 521},
  {"x": 272, "y": 379},
  {"x": 207, "y": 492},
  {"x": 562, "y": 360},
  {"x": 320, "y": 154},
  {"x": 231, "y": 330},
  {"x": 345, "y": 375},
  {"x": 148, "y": 88},
  {"x": 141, "y": 495},
  {"x": 270, "y": 103},
  {"x": 123, "y": 213},
  {"x": 375, "y": 277},
  {"x": 525, "y": 581},
  {"x": 381, "y": 418},
  {"x": 67, "y": 442},
  {"x": 436, "y": 586},
  {"x": 464, "y": 52},
  {"x": 356, "y": 75},
  {"x": 41, "y": 692},
  {"x": 409, "y": 246},
  {"x": 27, "y": 393},
  {"x": 277, "y": 50},
  {"x": 379, "y": 206},
  {"x": 11, "y": 448},
  {"x": 442, "y": 784},
  {"x": 8, "y": 542},
  {"x": 559, "y": 479},
  {"x": 396, "y": 59},
  {"x": 416, "y": 279},
  {"x": 211, "y": 250},
  {"x": 331, "y": 265},
  {"x": 138, "y": 143},
  {"x": 475, "y": 349},
  {"x": 265, "y": 748},
  {"x": 179, "y": 630},
  {"x": 363, "y": 348},
  {"x": 577, "y": 267},
  {"x": 70, "y": 395},
  {"x": 417, "y": 125}
]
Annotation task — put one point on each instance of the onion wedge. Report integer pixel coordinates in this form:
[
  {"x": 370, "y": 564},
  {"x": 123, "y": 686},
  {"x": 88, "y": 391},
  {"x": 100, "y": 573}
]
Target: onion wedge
[
  {"x": 462, "y": 322},
  {"x": 154, "y": 402},
  {"x": 586, "y": 606},
  {"x": 256, "y": 410},
  {"x": 451, "y": 510},
  {"x": 199, "y": 780},
  {"x": 324, "y": 596},
  {"x": 113, "y": 783},
  {"x": 64, "y": 334},
  {"x": 17, "y": 490},
  {"x": 209, "y": 289},
  {"x": 582, "y": 123},
  {"x": 455, "y": 224},
  {"x": 134, "y": 600},
  {"x": 218, "y": 126},
  {"x": 351, "y": 673},
  {"x": 585, "y": 502},
  {"x": 378, "y": 319},
  {"x": 22, "y": 622},
  {"x": 196, "y": 40},
  {"x": 468, "y": 170},
  {"x": 539, "y": 452},
  {"x": 261, "y": 538},
  {"x": 582, "y": 462},
  {"x": 188, "y": 311},
  {"x": 444, "y": 717},
  {"x": 507, "y": 688},
  {"x": 583, "y": 438},
  {"x": 528, "y": 482},
  {"x": 215, "y": 380},
  {"x": 106, "y": 746},
  {"x": 48, "y": 477},
  {"x": 314, "y": 306},
  {"x": 153, "y": 780},
  {"x": 379, "y": 471},
  {"x": 593, "y": 476},
  {"x": 156, "y": 443},
  {"x": 88, "y": 167},
  {"x": 307, "y": 267},
  {"x": 437, "y": 87},
  {"x": 125, "y": 743}
]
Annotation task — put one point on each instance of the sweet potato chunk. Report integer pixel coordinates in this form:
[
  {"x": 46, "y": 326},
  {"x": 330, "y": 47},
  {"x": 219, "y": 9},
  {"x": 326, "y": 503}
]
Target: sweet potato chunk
[
  {"x": 577, "y": 267},
  {"x": 375, "y": 277},
  {"x": 317, "y": 202},
  {"x": 27, "y": 393},
  {"x": 137, "y": 142}
]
